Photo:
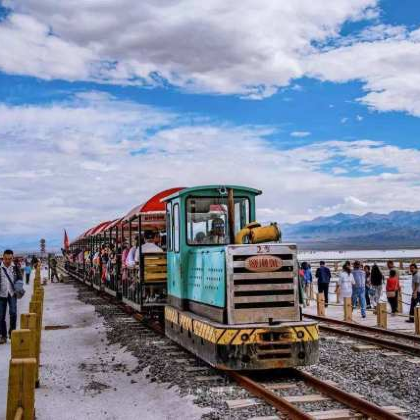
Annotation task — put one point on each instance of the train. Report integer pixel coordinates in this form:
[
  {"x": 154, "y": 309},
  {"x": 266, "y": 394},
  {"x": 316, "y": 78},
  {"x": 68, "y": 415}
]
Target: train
[{"x": 225, "y": 287}]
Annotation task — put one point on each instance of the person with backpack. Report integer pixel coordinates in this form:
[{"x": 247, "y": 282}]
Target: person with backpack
[{"x": 9, "y": 293}]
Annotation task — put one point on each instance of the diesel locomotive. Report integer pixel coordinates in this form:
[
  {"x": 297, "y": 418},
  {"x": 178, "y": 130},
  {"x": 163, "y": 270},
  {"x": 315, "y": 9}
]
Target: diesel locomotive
[{"x": 226, "y": 287}]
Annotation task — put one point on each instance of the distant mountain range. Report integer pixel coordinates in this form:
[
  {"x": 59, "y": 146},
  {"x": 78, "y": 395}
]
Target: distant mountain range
[{"x": 398, "y": 229}]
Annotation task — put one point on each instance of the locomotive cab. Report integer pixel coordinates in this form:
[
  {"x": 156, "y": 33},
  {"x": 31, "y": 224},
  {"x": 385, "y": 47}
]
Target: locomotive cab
[{"x": 235, "y": 305}]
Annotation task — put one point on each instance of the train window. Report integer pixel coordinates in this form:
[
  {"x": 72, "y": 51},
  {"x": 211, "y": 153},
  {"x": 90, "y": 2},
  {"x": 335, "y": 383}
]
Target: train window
[
  {"x": 168, "y": 228},
  {"x": 175, "y": 233},
  {"x": 207, "y": 219}
]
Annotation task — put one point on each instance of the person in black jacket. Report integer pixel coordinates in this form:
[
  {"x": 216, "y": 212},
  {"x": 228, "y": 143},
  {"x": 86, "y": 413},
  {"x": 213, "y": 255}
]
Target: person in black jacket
[
  {"x": 376, "y": 281},
  {"x": 323, "y": 274}
]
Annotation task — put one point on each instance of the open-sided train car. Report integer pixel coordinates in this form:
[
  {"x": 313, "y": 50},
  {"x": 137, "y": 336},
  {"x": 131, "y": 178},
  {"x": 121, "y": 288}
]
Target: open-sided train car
[{"x": 228, "y": 287}]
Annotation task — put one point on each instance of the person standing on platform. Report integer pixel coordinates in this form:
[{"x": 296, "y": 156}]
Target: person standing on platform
[
  {"x": 8, "y": 276},
  {"x": 323, "y": 274},
  {"x": 368, "y": 287},
  {"x": 415, "y": 288},
  {"x": 359, "y": 288},
  {"x": 53, "y": 268},
  {"x": 28, "y": 270},
  {"x": 346, "y": 282},
  {"x": 391, "y": 266},
  {"x": 392, "y": 287},
  {"x": 377, "y": 281},
  {"x": 307, "y": 278}
]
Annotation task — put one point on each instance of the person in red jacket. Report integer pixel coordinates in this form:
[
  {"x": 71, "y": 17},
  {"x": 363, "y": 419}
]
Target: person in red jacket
[{"x": 392, "y": 288}]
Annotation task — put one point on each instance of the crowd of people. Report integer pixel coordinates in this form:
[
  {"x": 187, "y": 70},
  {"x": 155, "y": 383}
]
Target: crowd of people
[
  {"x": 107, "y": 259},
  {"x": 364, "y": 284}
]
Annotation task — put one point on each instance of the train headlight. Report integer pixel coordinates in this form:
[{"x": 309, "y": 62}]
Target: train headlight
[
  {"x": 245, "y": 337},
  {"x": 300, "y": 334}
]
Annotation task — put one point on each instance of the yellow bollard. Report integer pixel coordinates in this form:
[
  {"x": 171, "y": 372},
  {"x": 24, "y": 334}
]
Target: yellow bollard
[
  {"x": 29, "y": 322},
  {"x": 21, "y": 390},
  {"x": 35, "y": 307},
  {"x": 417, "y": 320},
  {"x": 381, "y": 315},
  {"x": 320, "y": 304},
  {"x": 400, "y": 303},
  {"x": 23, "y": 344},
  {"x": 348, "y": 309}
]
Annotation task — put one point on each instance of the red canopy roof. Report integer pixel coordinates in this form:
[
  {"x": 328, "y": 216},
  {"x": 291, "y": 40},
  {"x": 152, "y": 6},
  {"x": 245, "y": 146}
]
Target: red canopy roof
[{"x": 153, "y": 205}]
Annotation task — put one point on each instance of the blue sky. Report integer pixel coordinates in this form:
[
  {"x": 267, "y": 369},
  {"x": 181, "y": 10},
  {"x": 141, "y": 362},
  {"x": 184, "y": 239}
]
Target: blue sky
[{"x": 316, "y": 104}]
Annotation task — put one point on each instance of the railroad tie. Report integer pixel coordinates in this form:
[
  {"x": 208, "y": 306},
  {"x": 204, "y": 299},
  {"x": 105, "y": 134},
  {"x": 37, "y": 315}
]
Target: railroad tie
[{"x": 241, "y": 403}]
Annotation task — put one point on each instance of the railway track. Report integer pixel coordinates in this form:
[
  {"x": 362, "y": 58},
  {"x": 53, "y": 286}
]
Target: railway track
[
  {"x": 388, "y": 339},
  {"x": 346, "y": 405}
]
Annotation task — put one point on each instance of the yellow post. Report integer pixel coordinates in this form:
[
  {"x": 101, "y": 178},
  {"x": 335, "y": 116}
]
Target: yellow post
[
  {"x": 417, "y": 320},
  {"x": 320, "y": 304},
  {"x": 23, "y": 344},
  {"x": 348, "y": 309},
  {"x": 21, "y": 390},
  {"x": 29, "y": 322},
  {"x": 401, "y": 265},
  {"x": 38, "y": 295},
  {"x": 400, "y": 303},
  {"x": 381, "y": 315},
  {"x": 35, "y": 307},
  {"x": 336, "y": 266}
]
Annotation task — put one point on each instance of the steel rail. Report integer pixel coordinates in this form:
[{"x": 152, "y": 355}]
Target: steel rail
[
  {"x": 392, "y": 345},
  {"x": 356, "y": 403},
  {"x": 270, "y": 397},
  {"x": 378, "y": 330}
]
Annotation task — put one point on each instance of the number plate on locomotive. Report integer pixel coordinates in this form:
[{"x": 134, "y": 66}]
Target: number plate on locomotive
[{"x": 263, "y": 263}]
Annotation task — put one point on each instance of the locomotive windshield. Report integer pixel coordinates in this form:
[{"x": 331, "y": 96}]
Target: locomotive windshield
[{"x": 207, "y": 219}]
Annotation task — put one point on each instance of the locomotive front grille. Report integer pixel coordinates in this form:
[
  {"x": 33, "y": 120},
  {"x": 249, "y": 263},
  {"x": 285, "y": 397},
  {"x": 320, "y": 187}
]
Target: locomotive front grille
[{"x": 262, "y": 296}]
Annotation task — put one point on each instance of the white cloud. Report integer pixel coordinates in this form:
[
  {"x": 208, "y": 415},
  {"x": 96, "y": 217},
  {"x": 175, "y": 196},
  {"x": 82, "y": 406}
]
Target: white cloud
[
  {"x": 359, "y": 118},
  {"x": 300, "y": 133},
  {"x": 388, "y": 68},
  {"x": 123, "y": 152},
  {"x": 197, "y": 46}
]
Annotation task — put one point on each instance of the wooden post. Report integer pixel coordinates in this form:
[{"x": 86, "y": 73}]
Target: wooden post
[
  {"x": 320, "y": 304},
  {"x": 381, "y": 315},
  {"x": 21, "y": 390},
  {"x": 35, "y": 307},
  {"x": 23, "y": 344},
  {"x": 400, "y": 303},
  {"x": 417, "y": 320},
  {"x": 29, "y": 322},
  {"x": 348, "y": 309}
]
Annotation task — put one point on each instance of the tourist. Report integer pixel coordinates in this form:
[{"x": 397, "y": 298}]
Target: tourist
[
  {"x": 368, "y": 286},
  {"x": 53, "y": 267},
  {"x": 415, "y": 288},
  {"x": 346, "y": 282},
  {"x": 8, "y": 276},
  {"x": 307, "y": 279},
  {"x": 359, "y": 290},
  {"x": 323, "y": 274},
  {"x": 27, "y": 270},
  {"x": 391, "y": 266},
  {"x": 392, "y": 287},
  {"x": 376, "y": 280}
]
